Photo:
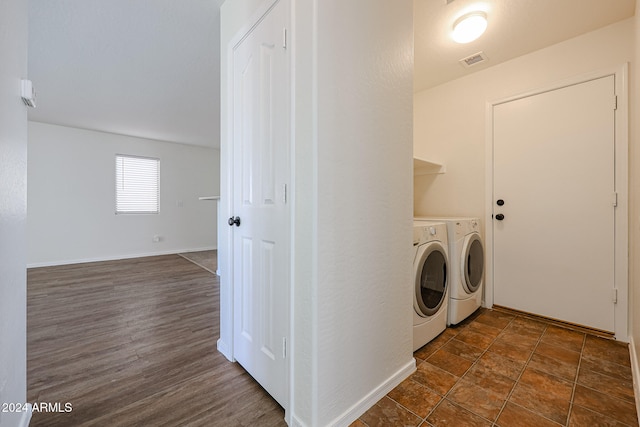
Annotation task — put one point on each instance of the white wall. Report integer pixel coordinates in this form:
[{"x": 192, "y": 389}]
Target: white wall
[
  {"x": 352, "y": 335},
  {"x": 13, "y": 210},
  {"x": 450, "y": 118},
  {"x": 71, "y": 197},
  {"x": 364, "y": 158}
]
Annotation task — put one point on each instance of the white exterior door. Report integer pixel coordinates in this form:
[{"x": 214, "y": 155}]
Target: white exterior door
[
  {"x": 261, "y": 171},
  {"x": 554, "y": 202}
]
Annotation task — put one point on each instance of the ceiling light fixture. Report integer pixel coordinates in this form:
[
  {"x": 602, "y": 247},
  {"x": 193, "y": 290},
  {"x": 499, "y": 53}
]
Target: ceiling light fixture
[{"x": 469, "y": 27}]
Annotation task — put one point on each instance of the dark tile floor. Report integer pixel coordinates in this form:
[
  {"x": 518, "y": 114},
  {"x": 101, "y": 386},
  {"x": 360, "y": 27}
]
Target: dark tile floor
[{"x": 500, "y": 369}]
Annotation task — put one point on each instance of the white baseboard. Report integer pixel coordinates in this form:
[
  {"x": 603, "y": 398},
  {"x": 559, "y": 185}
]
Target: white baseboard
[
  {"x": 296, "y": 422},
  {"x": 224, "y": 349},
  {"x": 26, "y": 417},
  {"x": 376, "y": 394},
  {"x": 635, "y": 373},
  {"x": 117, "y": 257}
]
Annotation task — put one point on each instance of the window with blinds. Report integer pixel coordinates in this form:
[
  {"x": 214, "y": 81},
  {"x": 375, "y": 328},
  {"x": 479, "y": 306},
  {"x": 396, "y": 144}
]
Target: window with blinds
[{"x": 137, "y": 185}]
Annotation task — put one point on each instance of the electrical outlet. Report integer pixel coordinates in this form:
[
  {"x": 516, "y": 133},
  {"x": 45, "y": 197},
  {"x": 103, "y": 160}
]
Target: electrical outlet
[{"x": 157, "y": 238}]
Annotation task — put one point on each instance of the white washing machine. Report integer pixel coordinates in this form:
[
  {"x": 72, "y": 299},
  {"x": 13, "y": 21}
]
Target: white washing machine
[
  {"x": 466, "y": 253},
  {"x": 431, "y": 285}
]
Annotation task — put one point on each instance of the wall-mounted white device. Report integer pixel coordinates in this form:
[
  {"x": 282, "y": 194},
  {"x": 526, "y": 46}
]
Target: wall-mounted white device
[{"x": 28, "y": 94}]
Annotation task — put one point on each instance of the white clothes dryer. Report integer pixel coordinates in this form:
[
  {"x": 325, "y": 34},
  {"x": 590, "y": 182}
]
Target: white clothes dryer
[
  {"x": 466, "y": 252},
  {"x": 431, "y": 285}
]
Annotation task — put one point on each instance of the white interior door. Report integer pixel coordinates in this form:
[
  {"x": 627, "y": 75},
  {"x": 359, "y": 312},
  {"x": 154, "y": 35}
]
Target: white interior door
[
  {"x": 259, "y": 202},
  {"x": 554, "y": 171}
]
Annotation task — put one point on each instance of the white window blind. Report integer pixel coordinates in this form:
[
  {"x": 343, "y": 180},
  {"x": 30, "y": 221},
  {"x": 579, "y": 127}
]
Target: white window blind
[{"x": 137, "y": 185}]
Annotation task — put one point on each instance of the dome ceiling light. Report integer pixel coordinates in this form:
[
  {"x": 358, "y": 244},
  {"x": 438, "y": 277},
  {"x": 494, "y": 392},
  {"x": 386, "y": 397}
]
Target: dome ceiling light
[{"x": 469, "y": 27}]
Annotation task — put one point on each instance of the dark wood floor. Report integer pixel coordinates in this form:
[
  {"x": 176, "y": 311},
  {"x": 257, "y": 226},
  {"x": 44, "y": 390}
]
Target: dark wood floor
[{"x": 133, "y": 343}]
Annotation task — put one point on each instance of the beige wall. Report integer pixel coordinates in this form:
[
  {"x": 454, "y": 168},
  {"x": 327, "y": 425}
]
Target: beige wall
[
  {"x": 634, "y": 190},
  {"x": 450, "y": 122},
  {"x": 450, "y": 118}
]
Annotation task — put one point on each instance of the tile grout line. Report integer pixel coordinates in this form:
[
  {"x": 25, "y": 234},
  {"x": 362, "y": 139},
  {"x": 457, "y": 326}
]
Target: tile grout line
[
  {"x": 475, "y": 362},
  {"x": 519, "y": 375},
  {"x": 493, "y": 423},
  {"x": 504, "y": 405},
  {"x": 444, "y": 397},
  {"x": 423, "y": 421},
  {"x": 588, "y": 387},
  {"x": 574, "y": 382},
  {"x": 575, "y": 379}
]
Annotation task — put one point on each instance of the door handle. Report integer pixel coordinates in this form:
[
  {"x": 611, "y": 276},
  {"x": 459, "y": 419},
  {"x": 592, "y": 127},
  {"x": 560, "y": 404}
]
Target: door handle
[
  {"x": 235, "y": 221},
  {"x": 499, "y": 217}
]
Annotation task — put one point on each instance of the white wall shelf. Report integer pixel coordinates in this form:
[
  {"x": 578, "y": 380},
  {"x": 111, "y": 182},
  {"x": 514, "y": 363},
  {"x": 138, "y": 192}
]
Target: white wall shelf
[{"x": 426, "y": 167}]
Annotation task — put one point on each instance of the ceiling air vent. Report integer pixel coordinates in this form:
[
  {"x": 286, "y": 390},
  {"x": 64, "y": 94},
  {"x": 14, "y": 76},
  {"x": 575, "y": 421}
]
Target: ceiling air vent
[{"x": 474, "y": 59}]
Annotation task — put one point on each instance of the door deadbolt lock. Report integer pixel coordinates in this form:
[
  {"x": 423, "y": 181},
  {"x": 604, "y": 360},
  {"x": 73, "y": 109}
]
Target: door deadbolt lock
[{"x": 500, "y": 202}]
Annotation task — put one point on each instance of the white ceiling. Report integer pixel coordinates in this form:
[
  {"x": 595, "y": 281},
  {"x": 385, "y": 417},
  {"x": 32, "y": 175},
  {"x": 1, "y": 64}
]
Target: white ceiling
[
  {"x": 151, "y": 68},
  {"x": 147, "y": 68},
  {"x": 515, "y": 28}
]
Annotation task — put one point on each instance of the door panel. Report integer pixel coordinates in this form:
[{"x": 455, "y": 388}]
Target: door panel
[
  {"x": 246, "y": 289},
  {"x": 260, "y": 175},
  {"x": 269, "y": 338},
  {"x": 554, "y": 169}
]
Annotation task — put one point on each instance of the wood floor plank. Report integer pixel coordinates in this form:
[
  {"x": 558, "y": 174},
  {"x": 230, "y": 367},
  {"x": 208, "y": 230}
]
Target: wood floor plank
[{"x": 133, "y": 342}]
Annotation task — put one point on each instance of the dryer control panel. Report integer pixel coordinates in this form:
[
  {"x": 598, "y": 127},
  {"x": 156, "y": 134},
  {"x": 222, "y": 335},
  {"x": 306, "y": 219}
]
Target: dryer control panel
[{"x": 427, "y": 232}]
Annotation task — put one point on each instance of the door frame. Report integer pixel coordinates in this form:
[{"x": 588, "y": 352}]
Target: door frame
[
  {"x": 225, "y": 344},
  {"x": 621, "y": 214}
]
